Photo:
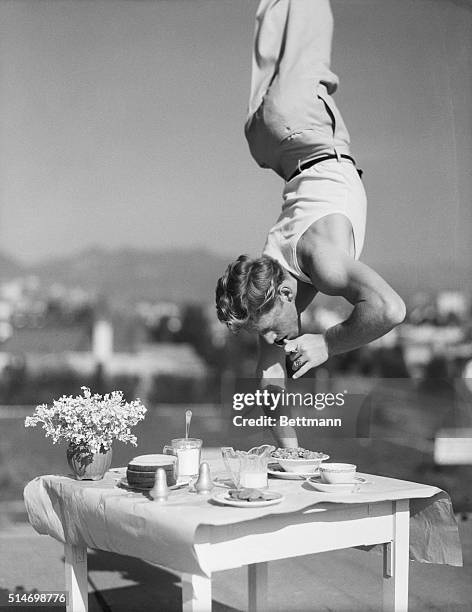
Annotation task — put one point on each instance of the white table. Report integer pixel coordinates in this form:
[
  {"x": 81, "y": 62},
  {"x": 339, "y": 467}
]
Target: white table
[
  {"x": 255, "y": 543},
  {"x": 285, "y": 536},
  {"x": 194, "y": 538}
]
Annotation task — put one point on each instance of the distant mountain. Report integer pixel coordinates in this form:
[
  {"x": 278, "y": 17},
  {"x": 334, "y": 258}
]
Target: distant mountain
[
  {"x": 9, "y": 268},
  {"x": 179, "y": 275},
  {"x": 410, "y": 277},
  {"x": 129, "y": 274}
]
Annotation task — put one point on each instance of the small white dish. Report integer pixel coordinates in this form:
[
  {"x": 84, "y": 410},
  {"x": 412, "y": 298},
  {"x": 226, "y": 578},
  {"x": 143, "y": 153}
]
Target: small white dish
[
  {"x": 344, "y": 487},
  {"x": 222, "y": 497},
  {"x": 290, "y": 475}
]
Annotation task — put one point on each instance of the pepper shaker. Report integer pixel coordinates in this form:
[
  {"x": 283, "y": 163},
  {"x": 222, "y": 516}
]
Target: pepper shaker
[
  {"x": 160, "y": 491},
  {"x": 204, "y": 482}
]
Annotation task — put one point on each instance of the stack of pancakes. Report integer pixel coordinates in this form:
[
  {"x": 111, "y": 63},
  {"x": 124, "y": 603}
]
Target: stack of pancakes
[{"x": 141, "y": 471}]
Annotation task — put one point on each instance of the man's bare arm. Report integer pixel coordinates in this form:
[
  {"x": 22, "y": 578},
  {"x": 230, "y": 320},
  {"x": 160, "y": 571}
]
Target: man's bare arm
[
  {"x": 271, "y": 364},
  {"x": 272, "y": 372},
  {"x": 377, "y": 307}
]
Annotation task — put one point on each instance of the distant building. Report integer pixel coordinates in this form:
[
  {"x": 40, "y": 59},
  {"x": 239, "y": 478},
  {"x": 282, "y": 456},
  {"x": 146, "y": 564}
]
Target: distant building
[
  {"x": 102, "y": 341},
  {"x": 452, "y": 304},
  {"x": 82, "y": 349},
  {"x": 422, "y": 343},
  {"x": 47, "y": 340},
  {"x": 453, "y": 446}
]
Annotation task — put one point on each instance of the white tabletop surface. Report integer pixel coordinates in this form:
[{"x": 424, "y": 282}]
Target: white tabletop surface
[{"x": 101, "y": 515}]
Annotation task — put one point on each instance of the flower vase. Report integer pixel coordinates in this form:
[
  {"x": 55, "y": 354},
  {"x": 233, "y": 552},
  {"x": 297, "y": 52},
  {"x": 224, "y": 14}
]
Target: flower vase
[{"x": 87, "y": 465}]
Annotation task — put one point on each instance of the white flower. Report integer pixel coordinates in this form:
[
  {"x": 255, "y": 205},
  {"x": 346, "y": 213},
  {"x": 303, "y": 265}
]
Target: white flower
[{"x": 89, "y": 421}]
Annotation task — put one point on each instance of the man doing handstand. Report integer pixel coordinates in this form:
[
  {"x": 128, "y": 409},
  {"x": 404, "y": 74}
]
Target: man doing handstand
[{"x": 295, "y": 128}]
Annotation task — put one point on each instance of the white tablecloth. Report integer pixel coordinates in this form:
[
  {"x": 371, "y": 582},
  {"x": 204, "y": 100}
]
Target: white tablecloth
[{"x": 101, "y": 515}]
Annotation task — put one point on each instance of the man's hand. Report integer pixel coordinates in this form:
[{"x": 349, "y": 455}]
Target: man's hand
[{"x": 306, "y": 352}]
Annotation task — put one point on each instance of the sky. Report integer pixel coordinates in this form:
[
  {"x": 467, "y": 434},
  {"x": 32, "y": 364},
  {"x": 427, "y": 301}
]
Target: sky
[{"x": 121, "y": 124}]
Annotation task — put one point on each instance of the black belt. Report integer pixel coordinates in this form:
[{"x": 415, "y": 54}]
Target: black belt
[{"x": 317, "y": 160}]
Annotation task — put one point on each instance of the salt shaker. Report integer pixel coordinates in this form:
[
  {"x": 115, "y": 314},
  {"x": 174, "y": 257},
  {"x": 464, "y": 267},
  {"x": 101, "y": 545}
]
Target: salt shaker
[
  {"x": 160, "y": 492},
  {"x": 204, "y": 482}
]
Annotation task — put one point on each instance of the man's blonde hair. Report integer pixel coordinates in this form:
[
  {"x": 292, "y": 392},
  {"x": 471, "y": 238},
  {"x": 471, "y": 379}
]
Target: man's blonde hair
[{"x": 247, "y": 289}]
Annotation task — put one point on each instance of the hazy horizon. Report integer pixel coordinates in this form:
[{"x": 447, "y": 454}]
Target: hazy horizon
[{"x": 122, "y": 125}]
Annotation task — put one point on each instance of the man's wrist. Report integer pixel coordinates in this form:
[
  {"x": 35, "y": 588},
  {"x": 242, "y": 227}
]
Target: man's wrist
[
  {"x": 274, "y": 387},
  {"x": 328, "y": 343}
]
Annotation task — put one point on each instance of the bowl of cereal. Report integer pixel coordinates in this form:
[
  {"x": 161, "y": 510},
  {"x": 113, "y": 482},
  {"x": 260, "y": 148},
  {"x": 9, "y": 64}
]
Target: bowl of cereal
[{"x": 299, "y": 460}]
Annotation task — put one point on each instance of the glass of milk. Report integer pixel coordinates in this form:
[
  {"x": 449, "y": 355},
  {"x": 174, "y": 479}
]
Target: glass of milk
[
  {"x": 188, "y": 452},
  {"x": 253, "y": 478},
  {"x": 248, "y": 469}
]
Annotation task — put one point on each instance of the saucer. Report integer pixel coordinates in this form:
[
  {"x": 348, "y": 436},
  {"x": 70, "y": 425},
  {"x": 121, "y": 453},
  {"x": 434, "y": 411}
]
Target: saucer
[
  {"x": 341, "y": 487},
  {"x": 124, "y": 484},
  {"x": 222, "y": 497},
  {"x": 290, "y": 475}
]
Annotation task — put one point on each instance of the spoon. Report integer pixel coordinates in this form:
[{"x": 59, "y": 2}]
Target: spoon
[{"x": 188, "y": 418}]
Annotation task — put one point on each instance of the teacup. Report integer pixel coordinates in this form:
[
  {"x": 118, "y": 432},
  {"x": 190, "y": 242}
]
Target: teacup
[{"x": 337, "y": 473}]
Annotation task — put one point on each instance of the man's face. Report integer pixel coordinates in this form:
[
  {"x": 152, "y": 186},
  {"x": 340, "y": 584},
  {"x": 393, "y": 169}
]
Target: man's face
[{"x": 280, "y": 323}]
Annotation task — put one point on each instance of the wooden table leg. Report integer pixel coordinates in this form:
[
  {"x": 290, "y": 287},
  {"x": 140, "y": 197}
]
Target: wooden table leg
[
  {"x": 196, "y": 593},
  {"x": 396, "y": 560},
  {"x": 257, "y": 586},
  {"x": 76, "y": 577}
]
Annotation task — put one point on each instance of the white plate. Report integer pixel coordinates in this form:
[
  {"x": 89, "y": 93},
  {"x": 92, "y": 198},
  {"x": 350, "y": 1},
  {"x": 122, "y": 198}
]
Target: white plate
[
  {"x": 223, "y": 498},
  {"x": 123, "y": 484},
  {"x": 158, "y": 460},
  {"x": 344, "y": 487},
  {"x": 290, "y": 475}
]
